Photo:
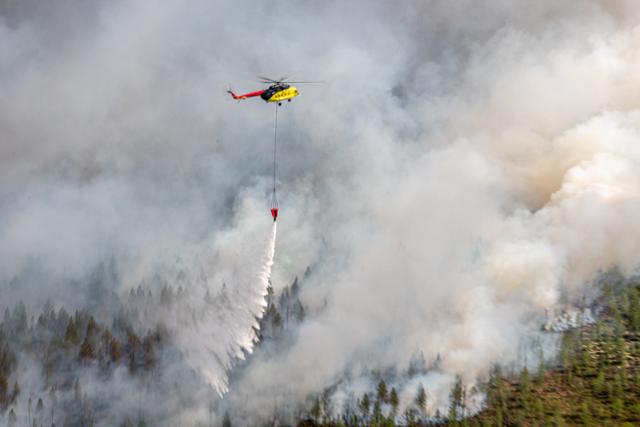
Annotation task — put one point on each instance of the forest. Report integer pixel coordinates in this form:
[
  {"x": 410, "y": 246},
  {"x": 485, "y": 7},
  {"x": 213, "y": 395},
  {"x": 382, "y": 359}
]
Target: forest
[
  {"x": 593, "y": 380},
  {"x": 63, "y": 350}
]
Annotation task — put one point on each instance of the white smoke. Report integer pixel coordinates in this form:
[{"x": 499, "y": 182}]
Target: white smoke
[
  {"x": 470, "y": 169},
  {"x": 481, "y": 229}
]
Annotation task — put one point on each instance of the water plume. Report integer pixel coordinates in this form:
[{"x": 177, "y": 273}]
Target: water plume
[{"x": 214, "y": 331}]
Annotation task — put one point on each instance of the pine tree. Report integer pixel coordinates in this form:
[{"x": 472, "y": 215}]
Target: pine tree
[
  {"x": 541, "y": 370},
  {"x": 621, "y": 347},
  {"x": 618, "y": 385},
  {"x": 618, "y": 323},
  {"x": 86, "y": 350},
  {"x": 149, "y": 352},
  {"x": 417, "y": 365},
  {"x": 4, "y": 391},
  {"x": 61, "y": 320},
  {"x": 92, "y": 327},
  {"x": 13, "y": 420},
  {"x": 277, "y": 319},
  {"x": 520, "y": 416},
  {"x": 71, "y": 336},
  {"x": 410, "y": 417},
  {"x": 53, "y": 399},
  {"x": 382, "y": 391},
  {"x": 166, "y": 296},
  {"x": 456, "y": 401},
  {"x": 7, "y": 360},
  {"x": 326, "y": 408},
  {"x": 421, "y": 400},
  {"x": 585, "y": 414},
  {"x": 133, "y": 349},
  {"x": 20, "y": 319},
  {"x": 105, "y": 341},
  {"x": 634, "y": 310},
  {"x": 15, "y": 393},
  {"x": 538, "y": 407},
  {"x": 558, "y": 419},
  {"x": 617, "y": 407},
  {"x": 297, "y": 311},
  {"x": 525, "y": 388},
  {"x": 377, "y": 412},
  {"x": 295, "y": 288},
  {"x": 499, "y": 417},
  {"x": 316, "y": 410},
  {"x": 365, "y": 405},
  {"x": 115, "y": 350},
  {"x": 226, "y": 421},
  {"x": 393, "y": 400},
  {"x": 161, "y": 333},
  {"x": 599, "y": 382}
]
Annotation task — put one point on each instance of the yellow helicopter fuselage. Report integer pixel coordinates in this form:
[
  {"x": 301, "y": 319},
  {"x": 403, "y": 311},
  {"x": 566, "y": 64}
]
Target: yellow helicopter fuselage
[{"x": 284, "y": 94}]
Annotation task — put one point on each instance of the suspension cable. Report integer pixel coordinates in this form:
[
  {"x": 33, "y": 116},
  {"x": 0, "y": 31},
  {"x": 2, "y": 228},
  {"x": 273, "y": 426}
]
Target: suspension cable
[{"x": 275, "y": 149}]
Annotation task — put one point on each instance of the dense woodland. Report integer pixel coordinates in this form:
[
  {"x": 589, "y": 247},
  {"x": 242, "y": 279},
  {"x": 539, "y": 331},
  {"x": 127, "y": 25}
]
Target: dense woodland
[
  {"x": 60, "y": 344},
  {"x": 595, "y": 379},
  {"x": 62, "y": 347}
]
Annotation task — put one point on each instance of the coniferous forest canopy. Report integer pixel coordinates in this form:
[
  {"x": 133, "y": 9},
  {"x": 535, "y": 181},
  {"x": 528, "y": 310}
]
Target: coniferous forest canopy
[
  {"x": 458, "y": 195},
  {"x": 594, "y": 379}
]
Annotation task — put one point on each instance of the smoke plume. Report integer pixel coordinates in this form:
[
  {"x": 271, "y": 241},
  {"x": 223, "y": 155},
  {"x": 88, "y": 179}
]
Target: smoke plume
[{"x": 470, "y": 170}]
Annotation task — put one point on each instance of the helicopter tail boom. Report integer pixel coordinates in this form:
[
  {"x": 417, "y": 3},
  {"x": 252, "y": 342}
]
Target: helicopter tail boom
[{"x": 246, "y": 95}]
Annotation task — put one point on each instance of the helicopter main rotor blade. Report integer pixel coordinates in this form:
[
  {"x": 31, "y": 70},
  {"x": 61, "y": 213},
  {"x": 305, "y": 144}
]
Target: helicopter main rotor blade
[
  {"x": 267, "y": 80},
  {"x": 317, "y": 82}
]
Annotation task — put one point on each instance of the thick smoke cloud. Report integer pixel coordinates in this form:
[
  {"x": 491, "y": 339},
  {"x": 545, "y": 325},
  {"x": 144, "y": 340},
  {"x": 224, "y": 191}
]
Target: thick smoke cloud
[{"x": 468, "y": 168}]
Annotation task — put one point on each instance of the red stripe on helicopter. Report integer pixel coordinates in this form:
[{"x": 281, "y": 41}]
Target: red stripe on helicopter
[{"x": 247, "y": 95}]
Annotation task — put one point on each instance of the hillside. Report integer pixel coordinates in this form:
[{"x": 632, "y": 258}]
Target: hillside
[{"x": 595, "y": 380}]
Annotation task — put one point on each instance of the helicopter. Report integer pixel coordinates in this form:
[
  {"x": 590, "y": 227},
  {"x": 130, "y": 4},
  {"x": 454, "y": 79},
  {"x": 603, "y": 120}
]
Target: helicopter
[{"x": 278, "y": 91}]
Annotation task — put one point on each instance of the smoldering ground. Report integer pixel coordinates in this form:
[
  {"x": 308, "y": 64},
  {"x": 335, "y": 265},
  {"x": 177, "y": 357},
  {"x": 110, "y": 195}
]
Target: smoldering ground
[{"x": 468, "y": 168}]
